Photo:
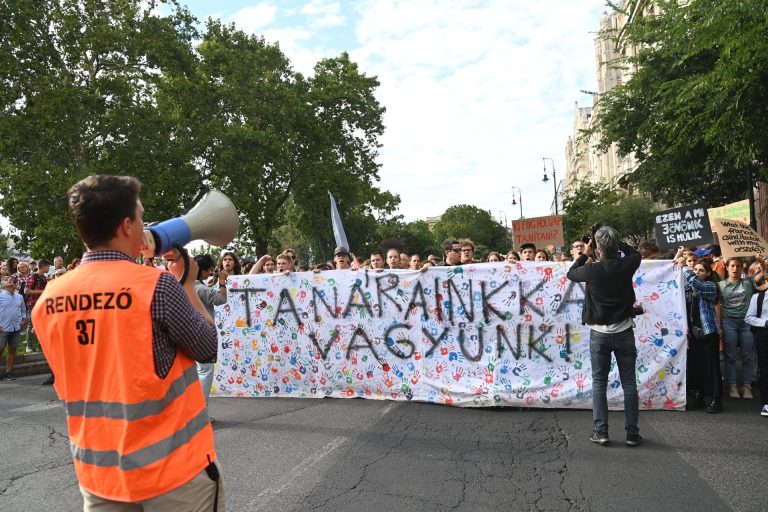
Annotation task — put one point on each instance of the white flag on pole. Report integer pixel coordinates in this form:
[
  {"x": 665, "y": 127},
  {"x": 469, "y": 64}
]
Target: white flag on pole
[{"x": 338, "y": 229}]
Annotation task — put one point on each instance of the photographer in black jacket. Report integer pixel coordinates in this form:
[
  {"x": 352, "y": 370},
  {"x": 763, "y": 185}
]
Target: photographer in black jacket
[{"x": 608, "y": 311}]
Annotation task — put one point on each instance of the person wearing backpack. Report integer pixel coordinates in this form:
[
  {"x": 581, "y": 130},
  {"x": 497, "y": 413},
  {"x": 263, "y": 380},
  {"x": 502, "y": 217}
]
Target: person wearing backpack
[{"x": 757, "y": 318}]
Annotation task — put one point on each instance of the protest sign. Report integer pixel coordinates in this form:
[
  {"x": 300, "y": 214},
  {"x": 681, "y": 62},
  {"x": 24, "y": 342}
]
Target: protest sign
[
  {"x": 686, "y": 226},
  {"x": 477, "y": 335},
  {"x": 734, "y": 211},
  {"x": 542, "y": 231},
  {"x": 738, "y": 239}
]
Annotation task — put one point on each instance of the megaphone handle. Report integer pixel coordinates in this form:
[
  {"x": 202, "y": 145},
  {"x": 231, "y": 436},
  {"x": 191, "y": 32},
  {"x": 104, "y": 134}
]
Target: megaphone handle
[{"x": 185, "y": 256}]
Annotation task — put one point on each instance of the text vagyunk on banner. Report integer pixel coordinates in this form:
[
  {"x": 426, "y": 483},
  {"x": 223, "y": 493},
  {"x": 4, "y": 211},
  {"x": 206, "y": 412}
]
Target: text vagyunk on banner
[{"x": 477, "y": 335}]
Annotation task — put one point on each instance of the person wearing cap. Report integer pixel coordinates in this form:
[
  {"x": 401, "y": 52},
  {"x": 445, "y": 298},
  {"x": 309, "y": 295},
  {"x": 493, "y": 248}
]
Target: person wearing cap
[
  {"x": 13, "y": 318},
  {"x": 341, "y": 258},
  {"x": 718, "y": 265},
  {"x": 700, "y": 253}
]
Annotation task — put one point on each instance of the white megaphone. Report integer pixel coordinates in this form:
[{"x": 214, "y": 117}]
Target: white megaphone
[{"x": 212, "y": 218}]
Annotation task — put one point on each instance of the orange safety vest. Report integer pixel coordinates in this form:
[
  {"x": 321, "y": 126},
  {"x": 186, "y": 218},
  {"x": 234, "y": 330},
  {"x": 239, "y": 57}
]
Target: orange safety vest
[{"x": 133, "y": 435}]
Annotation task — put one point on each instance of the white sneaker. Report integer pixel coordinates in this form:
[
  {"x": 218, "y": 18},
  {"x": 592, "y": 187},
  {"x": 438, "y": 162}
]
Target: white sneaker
[
  {"x": 764, "y": 412},
  {"x": 733, "y": 392},
  {"x": 748, "y": 392},
  {"x": 29, "y": 349}
]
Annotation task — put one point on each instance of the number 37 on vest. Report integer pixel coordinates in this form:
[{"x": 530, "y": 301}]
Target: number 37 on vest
[{"x": 86, "y": 331}]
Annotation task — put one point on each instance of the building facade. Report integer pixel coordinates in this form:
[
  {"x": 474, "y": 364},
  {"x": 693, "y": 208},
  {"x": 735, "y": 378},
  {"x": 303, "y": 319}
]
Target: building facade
[{"x": 583, "y": 161}]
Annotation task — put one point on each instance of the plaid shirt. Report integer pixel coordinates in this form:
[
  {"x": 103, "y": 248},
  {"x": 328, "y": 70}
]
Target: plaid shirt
[
  {"x": 19, "y": 279},
  {"x": 706, "y": 294},
  {"x": 34, "y": 282},
  {"x": 176, "y": 324}
]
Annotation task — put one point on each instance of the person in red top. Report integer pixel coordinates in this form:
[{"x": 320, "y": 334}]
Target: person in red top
[
  {"x": 35, "y": 285},
  {"x": 122, "y": 340}
]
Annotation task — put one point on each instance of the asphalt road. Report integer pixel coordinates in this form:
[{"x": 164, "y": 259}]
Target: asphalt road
[{"x": 339, "y": 455}]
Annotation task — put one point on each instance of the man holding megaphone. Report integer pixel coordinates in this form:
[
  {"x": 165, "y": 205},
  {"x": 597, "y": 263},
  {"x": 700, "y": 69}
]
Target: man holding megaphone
[{"x": 122, "y": 340}]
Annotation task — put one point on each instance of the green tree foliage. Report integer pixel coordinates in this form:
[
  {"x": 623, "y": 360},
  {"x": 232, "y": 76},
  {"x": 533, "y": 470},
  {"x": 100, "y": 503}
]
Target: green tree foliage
[
  {"x": 413, "y": 237},
  {"x": 466, "y": 221},
  {"x": 695, "y": 110},
  {"x": 110, "y": 88},
  {"x": 586, "y": 203},
  {"x": 3, "y": 246},
  {"x": 76, "y": 99},
  {"x": 264, "y": 134}
]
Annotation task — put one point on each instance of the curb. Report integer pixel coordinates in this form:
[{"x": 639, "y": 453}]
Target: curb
[{"x": 27, "y": 364}]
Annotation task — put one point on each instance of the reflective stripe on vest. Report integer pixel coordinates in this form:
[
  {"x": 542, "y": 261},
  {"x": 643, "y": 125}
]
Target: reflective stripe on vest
[
  {"x": 135, "y": 411},
  {"x": 133, "y": 435},
  {"x": 148, "y": 454}
]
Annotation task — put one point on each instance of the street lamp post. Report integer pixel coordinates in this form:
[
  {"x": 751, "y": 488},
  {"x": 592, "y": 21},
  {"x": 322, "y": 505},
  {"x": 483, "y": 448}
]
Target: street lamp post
[
  {"x": 554, "y": 179},
  {"x": 520, "y": 198}
]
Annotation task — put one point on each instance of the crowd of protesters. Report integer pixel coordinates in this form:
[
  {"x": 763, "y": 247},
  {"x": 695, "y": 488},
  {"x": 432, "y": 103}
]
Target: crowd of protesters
[{"x": 723, "y": 300}]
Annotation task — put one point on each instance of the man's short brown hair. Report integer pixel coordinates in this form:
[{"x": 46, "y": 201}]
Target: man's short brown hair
[
  {"x": 467, "y": 242},
  {"x": 98, "y": 204}
]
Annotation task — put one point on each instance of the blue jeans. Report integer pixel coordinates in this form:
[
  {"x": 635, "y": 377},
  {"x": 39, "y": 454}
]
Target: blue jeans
[
  {"x": 622, "y": 345},
  {"x": 205, "y": 374},
  {"x": 736, "y": 333}
]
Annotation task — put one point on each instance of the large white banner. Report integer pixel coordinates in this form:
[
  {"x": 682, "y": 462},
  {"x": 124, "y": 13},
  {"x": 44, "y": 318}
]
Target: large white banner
[{"x": 489, "y": 334}]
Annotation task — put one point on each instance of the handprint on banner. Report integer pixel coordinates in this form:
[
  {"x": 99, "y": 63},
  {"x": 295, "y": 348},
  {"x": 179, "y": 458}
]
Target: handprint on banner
[
  {"x": 671, "y": 369},
  {"x": 652, "y": 297}
]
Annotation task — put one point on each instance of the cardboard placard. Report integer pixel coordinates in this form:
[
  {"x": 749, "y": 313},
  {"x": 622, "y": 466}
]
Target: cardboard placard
[
  {"x": 542, "y": 231},
  {"x": 738, "y": 239},
  {"x": 688, "y": 226},
  {"x": 733, "y": 211}
]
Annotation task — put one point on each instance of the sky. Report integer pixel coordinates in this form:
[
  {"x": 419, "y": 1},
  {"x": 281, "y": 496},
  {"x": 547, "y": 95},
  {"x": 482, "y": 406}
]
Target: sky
[{"x": 476, "y": 92}]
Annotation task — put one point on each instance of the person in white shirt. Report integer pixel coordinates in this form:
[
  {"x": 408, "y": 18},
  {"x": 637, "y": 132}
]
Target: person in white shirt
[
  {"x": 13, "y": 318},
  {"x": 757, "y": 318}
]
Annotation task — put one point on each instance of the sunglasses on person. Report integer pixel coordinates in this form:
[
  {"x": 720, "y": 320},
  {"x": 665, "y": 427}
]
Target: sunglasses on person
[{"x": 455, "y": 249}]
